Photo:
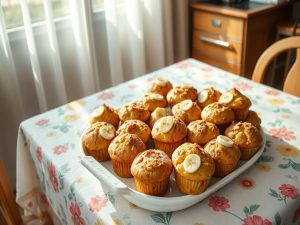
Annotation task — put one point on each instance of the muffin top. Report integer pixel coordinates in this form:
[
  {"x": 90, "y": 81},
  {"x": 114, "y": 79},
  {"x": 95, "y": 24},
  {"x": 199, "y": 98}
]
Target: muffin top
[
  {"x": 152, "y": 166},
  {"x": 190, "y": 161},
  {"x": 98, "y": 135},
  {"x": 125, "y": 147},
  {"x": 201, "y": 131},
  {"x": 169, "y": 129},
  {"x": 208, "y": 96},
  {"x": 180, "y": 93},
  {"x": 244, "y": 135},
  {"x": 160, "y": 86},
  {"x": 135, "y": 127},
  {"x": 217, "y": 113},
  {"x": 223, "y": 150},
  {"x": 235, "y": 99},
  {"x": 159, "y": 113},
  {"x": 152, "y": 101},
  {"x": 187, "y": 111},
  {"x": 104, "y": 113},
  {"x": 133, "y": 111},
  {"x": 253, "y": 118}
]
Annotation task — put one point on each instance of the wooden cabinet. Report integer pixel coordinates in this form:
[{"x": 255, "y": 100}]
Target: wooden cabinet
[{"x": 234, "y": 39}]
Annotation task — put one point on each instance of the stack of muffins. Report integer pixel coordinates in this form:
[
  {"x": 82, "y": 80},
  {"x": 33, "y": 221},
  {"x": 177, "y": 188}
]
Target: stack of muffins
[{"x": 199, "y": 135}]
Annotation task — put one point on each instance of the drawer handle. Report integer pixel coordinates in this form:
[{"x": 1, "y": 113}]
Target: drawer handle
[
  {"x": 216, "y": 23},
  {"x": 224, "y": 44}
]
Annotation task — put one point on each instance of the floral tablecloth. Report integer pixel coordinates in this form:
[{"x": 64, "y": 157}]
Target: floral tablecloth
[{"x": 49, "y": 169}]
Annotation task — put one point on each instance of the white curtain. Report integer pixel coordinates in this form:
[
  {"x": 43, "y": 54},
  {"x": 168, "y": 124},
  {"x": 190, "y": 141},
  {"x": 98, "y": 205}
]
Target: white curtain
[{"x": 57, "y": 60}]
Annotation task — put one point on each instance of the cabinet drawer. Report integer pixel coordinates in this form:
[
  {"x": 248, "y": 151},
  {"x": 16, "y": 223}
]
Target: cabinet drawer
[
  {"x": 225, "y": 65},
  {"x": 224, "y": 48},
  {"x": 215, "y": 23}
]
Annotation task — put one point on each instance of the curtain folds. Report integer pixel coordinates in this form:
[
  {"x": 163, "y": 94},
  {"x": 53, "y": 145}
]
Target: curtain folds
[{"x": 49, "y": 63}]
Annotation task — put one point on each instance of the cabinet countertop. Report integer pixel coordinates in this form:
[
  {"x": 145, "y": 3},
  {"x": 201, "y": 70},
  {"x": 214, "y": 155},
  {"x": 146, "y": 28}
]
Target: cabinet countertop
[{"x": 240, "y": 13}]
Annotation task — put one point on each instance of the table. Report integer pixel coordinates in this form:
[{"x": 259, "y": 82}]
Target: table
[{"x": 49, "y": 170}]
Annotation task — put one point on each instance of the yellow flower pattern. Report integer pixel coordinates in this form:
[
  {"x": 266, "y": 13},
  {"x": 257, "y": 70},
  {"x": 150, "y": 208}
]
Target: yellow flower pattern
[
  {"x": 263, "y": 167},
  {"x": 276, "y": 101},
  {"x": 71, "y": 117},
  {"x": 288, "y": 150}
]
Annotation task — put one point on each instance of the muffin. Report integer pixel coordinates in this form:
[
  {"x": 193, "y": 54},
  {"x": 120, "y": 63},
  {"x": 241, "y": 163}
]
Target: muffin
[
  {"x": 246, "y": 136},
  {"x": 187, "y": 111},
  {"x": 201, "y": 132},
  {"x": 208, "y": 96},
  {"x": 137, "y": 127},
  {"x": 219, "y": 114},
  {"x": 160, "y": 86},
  {"x": 151, "y": 171},
  {"x": 133, "y": 111},
  {"x": 104, "y": 113},
  {"x": 152, "y": 101},
  {"x": 168, "y": 133},
  {"x": 253, "y": 118},
  {"x": 122, "y": 150},
  {"x": 225, "y": 154},
  {"x": 193, "y": 168},
  {"x": 97, "y": 138},
  {"x": 157, "y": 114},
  {"x": 180, "y": 93},
  {"x": 238, "y": 102}
]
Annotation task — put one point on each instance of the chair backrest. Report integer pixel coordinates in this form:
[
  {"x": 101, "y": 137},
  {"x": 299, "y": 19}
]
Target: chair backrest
[
  {"x": 9, "y": 209},
  {"x": 292, "y": 81}
]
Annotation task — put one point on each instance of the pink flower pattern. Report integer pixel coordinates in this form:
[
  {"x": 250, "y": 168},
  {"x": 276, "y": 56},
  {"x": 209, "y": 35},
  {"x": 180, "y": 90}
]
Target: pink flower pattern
[
  {"x": 60, "y": 149},
  {"x": 39, "y": 153},
  {"x": 132, "y": 86},
  {"x": 256, "y": 220},
  {"x": 272, "y": 92},
  {"x": 282, "y": 134},
  {"x": 289, "y": 191},
  {"x": 76, "y": 214},
  {"x": 42, "y": 122},
  {"x": 53, "y": 177},
  {"x": 242, "y": 86},
  {"x": 106, "y": 96},
  {"x": 184, "y": 65},
  {"x": 219, "y": 203},
  {"x": 44, "y": 199},
  {"x": 97, "y": 203}
]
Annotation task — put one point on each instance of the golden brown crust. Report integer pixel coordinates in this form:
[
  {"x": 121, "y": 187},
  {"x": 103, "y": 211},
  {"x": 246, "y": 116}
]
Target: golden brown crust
[
  {"x": 201, "y": 132},
  {"x": 135, "y": 127},
  {"x": 222, "y": 154},
  {"x": 217, "y": 113},
  {"x": 104, "y": 113},
  {"x": 159, "y": 113},
  {"x": 152, "y": 166},
  {"x": 244, "y": 135},
  {"x": 152, "y": 101},
  {"x": 133, "y": 111},
  {"x": 194, "y": 113},
  {"x": 240, "y": 114},
  {"x": 253, "y": 118},
  {"x": 175, "y": 134},
  {"x": 126, "y": 147},
  {"x": 206, "y": 169},
  {"x": 92, "y": 139},
  {"x": 213, "y": 95},
  {"x": 179, "y": 93},
  {"x": 162, "y": 89},
  {"x": 239, "y": 101}
]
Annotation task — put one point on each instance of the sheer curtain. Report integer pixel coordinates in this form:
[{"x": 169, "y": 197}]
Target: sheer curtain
[{"x": 56, "y": 60}]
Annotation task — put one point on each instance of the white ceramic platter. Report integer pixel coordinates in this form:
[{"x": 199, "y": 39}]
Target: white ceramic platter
[{"x": 173, "y": 200}]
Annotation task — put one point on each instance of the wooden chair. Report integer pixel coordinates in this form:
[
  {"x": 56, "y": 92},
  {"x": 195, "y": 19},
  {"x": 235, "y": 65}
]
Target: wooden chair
[
  {"x": 9, "y": 210},
  {"x": 291, "y": 84}
]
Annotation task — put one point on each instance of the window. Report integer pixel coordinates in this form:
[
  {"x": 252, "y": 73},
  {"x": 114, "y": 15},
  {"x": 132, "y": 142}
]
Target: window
[{"x": 13, "y": 13}]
